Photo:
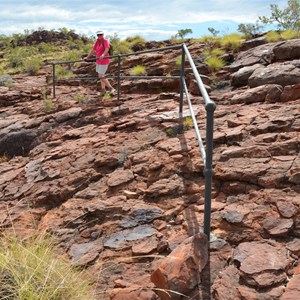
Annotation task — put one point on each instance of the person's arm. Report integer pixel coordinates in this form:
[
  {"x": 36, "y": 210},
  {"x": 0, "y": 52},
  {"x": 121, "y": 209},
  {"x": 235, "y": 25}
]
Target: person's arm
[
  {"x": 106, "y": 48},
  {"x": 104, "y": 53},
  {"x": 90, "y": 54}
]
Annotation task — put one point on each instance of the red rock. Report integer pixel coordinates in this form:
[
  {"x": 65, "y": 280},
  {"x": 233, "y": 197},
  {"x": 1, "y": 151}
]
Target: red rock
[
  {"x": 180, "y": 271},
  {"x": 290, "y": 93},
  {"x": 278, "y": 227},
  {"x": 286, "y": 208},
  {"x": 292, "y": 291},
  {"x": 247, "y": 293},
  {"x": 119, "y": 177},
  {"x": 263, "y": 264},
  {"x": 225, "y": 286},
  {"x": 145, "y": 247}
]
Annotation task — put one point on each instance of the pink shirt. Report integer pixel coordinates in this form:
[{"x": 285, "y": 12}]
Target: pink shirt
[{"x": 99, "y": 46}]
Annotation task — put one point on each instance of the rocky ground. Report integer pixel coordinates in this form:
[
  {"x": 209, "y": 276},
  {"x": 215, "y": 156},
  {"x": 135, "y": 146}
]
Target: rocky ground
[{"x": 121, "y": 185}]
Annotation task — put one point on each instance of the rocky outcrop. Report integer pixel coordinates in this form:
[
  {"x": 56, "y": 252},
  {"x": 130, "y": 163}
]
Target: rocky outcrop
[
  {"x": 120, "y": 183},
  {"x": 45, "y": 36},
  {"x": 274, "y": 63}
]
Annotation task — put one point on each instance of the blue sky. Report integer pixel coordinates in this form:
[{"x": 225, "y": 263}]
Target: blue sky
[{"x": 153, "y": 20}]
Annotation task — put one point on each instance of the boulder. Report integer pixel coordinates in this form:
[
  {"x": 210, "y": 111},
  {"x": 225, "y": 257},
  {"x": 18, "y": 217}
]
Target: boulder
[
  {"x": 179, "y": 273},
  {"x": 277, "y": 73}
]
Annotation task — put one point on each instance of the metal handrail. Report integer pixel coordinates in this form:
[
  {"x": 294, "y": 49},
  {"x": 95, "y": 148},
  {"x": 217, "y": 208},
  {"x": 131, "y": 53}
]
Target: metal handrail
[
  {"x": 198, "y": 135},
  {"x": 210, "y": 106}
]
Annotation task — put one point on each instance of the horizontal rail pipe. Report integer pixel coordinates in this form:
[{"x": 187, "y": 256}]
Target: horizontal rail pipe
[
  {"x": 119, "y": 55},
  {"x": 124, "y": 77}
]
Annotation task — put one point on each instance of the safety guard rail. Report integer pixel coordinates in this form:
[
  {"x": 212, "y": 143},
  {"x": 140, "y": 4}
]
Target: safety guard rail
[{"x": 210, "y": 106}]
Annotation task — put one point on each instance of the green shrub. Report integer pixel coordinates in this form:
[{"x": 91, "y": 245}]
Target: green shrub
[
  {"x": 4, "y": 41},
  {"x": 210, "y": 40},
  {"x": 120, "y": 47},
  {"x": 289, "y": 34},
  {"x": 33, "y": 65},
  {"x": 17, "y": 57},
  {"x": 106, "y": 96},
  {"x": 214, "y": 62},
  {"x": 6, "y": 80},
  {"x": 188, "y": 123},
  {"x": 62, "y": 72},
  {"x": 48, "y": 104},
  {"x": 46, "y": 48},
  {"x": 138, "y": 70},
  {"x": 72, "y": 55},
  {"x": 213, "y": 52},
  {"x": 45, "y": 93},
  {"x": 134, "y": 40},
  {"x": 80, "y": 98},
  {"x": 273, "y": 36},
  {"x": 178, "y": 61},
  {"x": 232, "y": 41},
  {"x": 206, "y": 52},
  {"x": 217, "y": 52},
  {"x": 30, "y": 270},
  {"x": 87, "y": 48},
  {"x": 78, "y": 44}
]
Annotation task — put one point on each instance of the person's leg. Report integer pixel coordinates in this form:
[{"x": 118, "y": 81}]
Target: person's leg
[
  {"x": 102, "y": 81},
  {"x": 107, "y": 83},
  {"x": 101, "y": 69}
]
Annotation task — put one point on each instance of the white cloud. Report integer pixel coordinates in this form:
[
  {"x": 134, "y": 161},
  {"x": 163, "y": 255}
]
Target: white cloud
[{"x": 127, "y": 16}]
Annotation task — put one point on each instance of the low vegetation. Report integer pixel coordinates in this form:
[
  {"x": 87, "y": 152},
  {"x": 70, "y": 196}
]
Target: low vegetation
[
  {"x": 178, "y": 61},
  {"x": 32, "y": 65},
  {"x": 80, "y": 98},
  {"x": 31, "y": 269},
  {"x": 214, "y": 63},
  {"x": 290, "y": 34},
  {"x": 63, "y": 72},
  {"x": 6, "y": 80},
  {"x": 272, "y": 36},
  {"x": 25, "y": 53},
  {"x": 138, "y": 70},
  {"x": 232, "y": 41},
  {"x": 48, "y": 104}
]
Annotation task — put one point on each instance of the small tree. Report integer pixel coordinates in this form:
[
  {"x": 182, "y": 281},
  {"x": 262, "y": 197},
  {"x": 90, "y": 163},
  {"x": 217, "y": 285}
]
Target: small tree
[
  {"x": 213, "y": 31},
  {"x": 249, "y": 30},
  {"x": 183, "y": 32},
  {"x": 288, "y": 18}
]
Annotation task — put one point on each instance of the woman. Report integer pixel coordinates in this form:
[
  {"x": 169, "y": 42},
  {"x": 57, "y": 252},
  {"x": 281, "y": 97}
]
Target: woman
[{"x": 101, "y": 48}]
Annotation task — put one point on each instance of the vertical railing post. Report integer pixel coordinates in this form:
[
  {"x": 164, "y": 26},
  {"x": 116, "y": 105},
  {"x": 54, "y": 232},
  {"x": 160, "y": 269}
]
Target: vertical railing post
[
  {"x": 119, "y": 70},
  {"x": 181, "y": 81},
  {"x": 208, "y": 172},
  {"x": 53, "y": 80}
]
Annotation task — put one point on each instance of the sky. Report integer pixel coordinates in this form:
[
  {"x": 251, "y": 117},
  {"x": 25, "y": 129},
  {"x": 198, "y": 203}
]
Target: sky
[{"x": 152, "y": 19}]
